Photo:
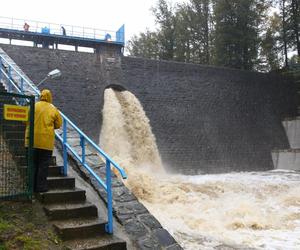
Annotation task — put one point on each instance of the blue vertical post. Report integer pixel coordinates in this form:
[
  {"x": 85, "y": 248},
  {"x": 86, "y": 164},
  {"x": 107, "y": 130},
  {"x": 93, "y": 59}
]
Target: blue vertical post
[
  {"x": 9, "y": 79},
  {"x": 1, "y": 68},
  {"x": 22, "y": 85},
  {"x": 65, "y": 153},
  {"x": 109, "y": 225},
  {"x": 82, "y": 144}
]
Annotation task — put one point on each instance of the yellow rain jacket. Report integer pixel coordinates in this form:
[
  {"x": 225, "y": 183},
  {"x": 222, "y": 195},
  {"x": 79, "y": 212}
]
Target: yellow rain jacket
[{"x": 46, "y": 119}]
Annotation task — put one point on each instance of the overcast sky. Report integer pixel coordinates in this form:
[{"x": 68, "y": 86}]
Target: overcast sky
[{"x": 100, "y": 14}]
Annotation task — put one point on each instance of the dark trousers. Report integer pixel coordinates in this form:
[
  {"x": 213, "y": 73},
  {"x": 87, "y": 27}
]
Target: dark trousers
[{"x": 41, "y": 162}]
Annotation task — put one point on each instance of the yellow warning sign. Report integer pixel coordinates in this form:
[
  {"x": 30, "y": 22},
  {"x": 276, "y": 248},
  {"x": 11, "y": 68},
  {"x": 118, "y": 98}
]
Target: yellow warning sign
[{"x": 15, "y": 113}]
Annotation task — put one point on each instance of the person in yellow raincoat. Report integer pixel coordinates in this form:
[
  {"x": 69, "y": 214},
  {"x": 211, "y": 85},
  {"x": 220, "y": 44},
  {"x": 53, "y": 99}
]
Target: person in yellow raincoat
[{"x": 46, "y": 119}]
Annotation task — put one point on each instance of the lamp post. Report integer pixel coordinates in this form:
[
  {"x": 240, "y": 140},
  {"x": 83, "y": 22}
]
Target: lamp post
[{"x": 52, "y": 75}]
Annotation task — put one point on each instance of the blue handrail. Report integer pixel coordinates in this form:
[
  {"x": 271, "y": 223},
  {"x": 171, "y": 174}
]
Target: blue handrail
[
  {"x": 68, "y": 31},
  {"x": 19, "y": 83}
]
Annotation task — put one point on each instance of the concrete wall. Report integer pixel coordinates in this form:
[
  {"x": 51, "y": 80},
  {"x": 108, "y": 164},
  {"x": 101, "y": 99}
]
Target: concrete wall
[
  {"x": 292, "y": 128},
  {"x": 289, "y": 158},
  {"x": 205, "y": 119}
]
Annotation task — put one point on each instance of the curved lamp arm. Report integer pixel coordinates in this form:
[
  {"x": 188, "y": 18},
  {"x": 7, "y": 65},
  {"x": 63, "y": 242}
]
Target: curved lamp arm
[{"x": 52, "y": 74}]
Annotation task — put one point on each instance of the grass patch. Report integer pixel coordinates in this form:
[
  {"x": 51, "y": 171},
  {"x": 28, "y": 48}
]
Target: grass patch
[
  {"x": 23, "y": 225},
  {"x": 4, "y": 226}
]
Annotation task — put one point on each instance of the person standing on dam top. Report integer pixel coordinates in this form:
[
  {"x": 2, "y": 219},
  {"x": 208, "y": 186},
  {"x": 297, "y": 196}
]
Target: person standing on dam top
[
  {"x": 46, "y": 119},
  {"x": 63, "y": 31},
  {"x": 26, "y": 27}
]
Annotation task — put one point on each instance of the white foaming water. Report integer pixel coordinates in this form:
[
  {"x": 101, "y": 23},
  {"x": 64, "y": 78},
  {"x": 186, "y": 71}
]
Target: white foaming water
[{"x": 253, "y": 209}]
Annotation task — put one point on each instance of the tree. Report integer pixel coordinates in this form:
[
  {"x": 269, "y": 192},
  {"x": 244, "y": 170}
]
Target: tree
[
  {"x": 270, "y": 58},
  {"x": 183, "y": 35},
  {"x": 290, "y": 21},
  {"x": 295, "y": 19},
  {"x": 284, "y": 31},
  {"x": 192, "y": 32},
  {"x": 237, "y": 32},
  {"x": 200, "y": 16},
  {"x": 231, "y": 33},
  {"x": 165, "y": 18},
  {"x": 145, "y": 45}
]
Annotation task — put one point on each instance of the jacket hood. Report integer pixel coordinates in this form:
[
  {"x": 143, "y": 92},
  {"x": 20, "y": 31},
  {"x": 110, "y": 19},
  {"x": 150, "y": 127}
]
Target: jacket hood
[{"x": 46, "y": 96}]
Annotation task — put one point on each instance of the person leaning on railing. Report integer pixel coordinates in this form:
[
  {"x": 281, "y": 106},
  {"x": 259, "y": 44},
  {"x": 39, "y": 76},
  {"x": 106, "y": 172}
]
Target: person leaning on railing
[{"x": 46, "y": 119}]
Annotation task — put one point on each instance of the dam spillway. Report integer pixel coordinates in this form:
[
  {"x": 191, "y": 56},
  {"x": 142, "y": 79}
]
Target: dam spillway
[{"x": 254, "y": 210}]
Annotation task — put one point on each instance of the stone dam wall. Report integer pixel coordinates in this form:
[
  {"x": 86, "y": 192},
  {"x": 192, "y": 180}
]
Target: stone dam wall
[{"x": 205, "y": 119}]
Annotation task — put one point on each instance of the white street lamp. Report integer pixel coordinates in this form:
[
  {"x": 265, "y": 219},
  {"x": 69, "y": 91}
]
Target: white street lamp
[{"x": 52, "y": 75}]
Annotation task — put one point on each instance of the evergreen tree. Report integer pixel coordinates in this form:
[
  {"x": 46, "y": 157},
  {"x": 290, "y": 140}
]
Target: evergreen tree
[
  {"x": 200, "y": 16},
  {"x": 237, "y": 32},
  {"x": 295, "y": 20},
  {"x": 183, "y": 35},
  {"x": 284, "y": 31},
  {"x": 270, "y": 58},
  {"x": 165, "y": 18},
  {"x": 290, "y": 23}
]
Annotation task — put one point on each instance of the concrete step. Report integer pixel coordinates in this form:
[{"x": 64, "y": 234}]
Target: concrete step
[
  {"x": 64, "y": 196},
  {"x": 80, "y": 228},
  {"x": 71, "y": 210},
  {"x": 61, "y": 182},
  {"x": 54, "y": 171},
  {"x": 292, "y": 129},
  {"x": 105, "y": 242},
  {"x": 286, "y": 159}
]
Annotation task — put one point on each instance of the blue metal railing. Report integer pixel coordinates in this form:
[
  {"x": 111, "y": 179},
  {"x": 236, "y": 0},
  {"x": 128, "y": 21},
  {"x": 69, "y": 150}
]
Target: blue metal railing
[
  {"x": 19, "y": 84},
  {"x": 69, "y": 30}
]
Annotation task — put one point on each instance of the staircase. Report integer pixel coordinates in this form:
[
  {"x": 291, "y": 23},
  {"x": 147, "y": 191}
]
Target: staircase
[
  {"x": 15, "y": 77},
  {"x": 75, "y": 219}
]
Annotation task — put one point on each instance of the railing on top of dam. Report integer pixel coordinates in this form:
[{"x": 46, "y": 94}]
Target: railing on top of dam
[
  {"x": 62, "y": 30},
  {"x": 15, "y": 82}
]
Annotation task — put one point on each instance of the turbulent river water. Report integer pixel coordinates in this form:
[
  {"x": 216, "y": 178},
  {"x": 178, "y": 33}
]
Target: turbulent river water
[{"x": 259, "y": 210}]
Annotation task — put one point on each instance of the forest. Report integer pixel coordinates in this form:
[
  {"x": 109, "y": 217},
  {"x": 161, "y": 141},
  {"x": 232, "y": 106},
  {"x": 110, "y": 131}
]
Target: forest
[{"x": 257, "y": 35}]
